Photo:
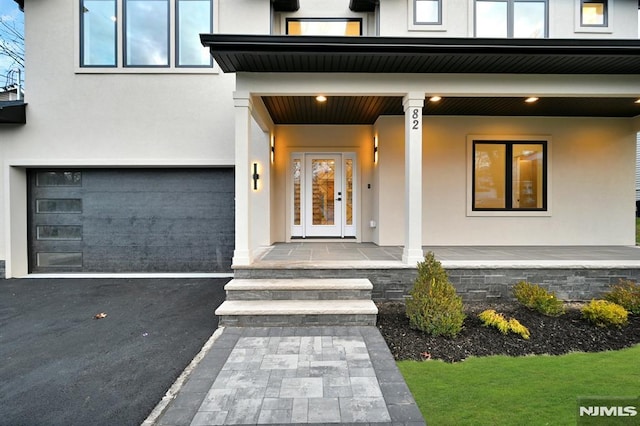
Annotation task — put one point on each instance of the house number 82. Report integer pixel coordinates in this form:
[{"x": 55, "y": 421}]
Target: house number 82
[{"x": 414, "y": 117}]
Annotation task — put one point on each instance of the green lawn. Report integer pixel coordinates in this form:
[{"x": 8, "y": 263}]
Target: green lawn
[{"x": 533, "y": 390}]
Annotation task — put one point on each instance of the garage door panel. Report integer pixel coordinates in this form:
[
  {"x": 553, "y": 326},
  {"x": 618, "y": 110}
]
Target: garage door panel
[{"x": 134, "y": 220}]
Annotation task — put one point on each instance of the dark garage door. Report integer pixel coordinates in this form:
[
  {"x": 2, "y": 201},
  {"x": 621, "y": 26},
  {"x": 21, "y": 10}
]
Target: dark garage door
[{"x": 131, "y": 220}]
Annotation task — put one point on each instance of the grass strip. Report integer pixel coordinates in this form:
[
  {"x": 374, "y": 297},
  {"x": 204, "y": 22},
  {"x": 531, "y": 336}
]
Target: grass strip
[{"x": 532, "y": 390}]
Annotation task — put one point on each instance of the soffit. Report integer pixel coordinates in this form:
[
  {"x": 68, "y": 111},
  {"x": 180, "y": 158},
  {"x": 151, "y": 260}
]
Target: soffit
[
  {"x": 324, "y": 54},
  {"x": 367, "y": 109}
]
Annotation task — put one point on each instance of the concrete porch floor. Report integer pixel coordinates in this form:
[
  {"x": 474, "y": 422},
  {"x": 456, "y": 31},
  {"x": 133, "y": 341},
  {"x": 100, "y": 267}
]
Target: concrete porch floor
[{"x": 317, "y": 254}]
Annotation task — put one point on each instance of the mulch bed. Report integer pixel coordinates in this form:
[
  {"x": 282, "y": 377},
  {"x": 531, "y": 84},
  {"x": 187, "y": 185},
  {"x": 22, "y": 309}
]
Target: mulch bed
[{"x": 549, "y": 335}]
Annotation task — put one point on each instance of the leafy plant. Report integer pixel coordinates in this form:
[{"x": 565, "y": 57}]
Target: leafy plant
[
  {"x": 626, "y": 294},
  {"x": 434, "y": 306},
  {"x": 494, "y": 319},
  {"x": 604, "y": 313},
  {"x": 535, "y": 297}
]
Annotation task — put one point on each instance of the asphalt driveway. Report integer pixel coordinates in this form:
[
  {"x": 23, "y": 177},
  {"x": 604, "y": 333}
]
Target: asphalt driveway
[{"x": 61, "y": 366}]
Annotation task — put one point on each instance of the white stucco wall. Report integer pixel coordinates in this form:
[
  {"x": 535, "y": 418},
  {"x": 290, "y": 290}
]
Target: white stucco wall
[{"x": 591, "y": 202}]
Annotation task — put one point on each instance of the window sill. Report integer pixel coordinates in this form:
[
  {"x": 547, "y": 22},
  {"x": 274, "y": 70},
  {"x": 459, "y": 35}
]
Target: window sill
[
  {"x": 593, "y": 30},
  {"x": 132, "y": 70},
  {"x": 427, "y": 27},
  {"x": 505, "y": 213}
]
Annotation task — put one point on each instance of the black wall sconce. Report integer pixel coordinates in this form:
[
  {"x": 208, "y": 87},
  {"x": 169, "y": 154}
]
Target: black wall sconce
[
  {"x": 273, "y": 149},
  {"x": 255, "y": 176},
  {"x": 375, "y": 150}
]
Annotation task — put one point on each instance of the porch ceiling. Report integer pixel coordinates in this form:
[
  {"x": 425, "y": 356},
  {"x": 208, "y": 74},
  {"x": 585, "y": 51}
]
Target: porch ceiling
[{"x": 366, "y": 109}]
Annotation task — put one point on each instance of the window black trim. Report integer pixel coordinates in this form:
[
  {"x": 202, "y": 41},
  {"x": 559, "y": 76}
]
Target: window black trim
[
  {"x": 125, "y": 43},
  {"x": 415, "y": 14},
  {"x": 177, "y": 35},
  {"x": 508, "y": 196},
  {"x": 605, "y": 3},
  {"x": 115, "y": 39},
  {"x": 287, "y": 20},
  {"x": 510, "y": 15}
]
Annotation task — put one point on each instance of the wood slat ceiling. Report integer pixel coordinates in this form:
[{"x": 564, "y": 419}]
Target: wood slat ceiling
[{"x": 367, "y": 109}]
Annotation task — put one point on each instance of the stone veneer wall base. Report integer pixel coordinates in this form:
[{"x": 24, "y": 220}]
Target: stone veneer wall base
[{"x": 474, "y": 285}]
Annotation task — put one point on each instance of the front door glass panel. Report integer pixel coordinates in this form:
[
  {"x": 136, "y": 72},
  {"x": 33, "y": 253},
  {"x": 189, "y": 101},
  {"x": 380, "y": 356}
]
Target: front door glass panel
[{"x": 323, "y": 187}]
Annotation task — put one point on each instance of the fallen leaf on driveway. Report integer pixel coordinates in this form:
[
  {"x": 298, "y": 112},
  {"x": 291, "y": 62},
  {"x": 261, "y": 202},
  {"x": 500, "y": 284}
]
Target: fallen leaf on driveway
[{"x": 100, "y": 315}]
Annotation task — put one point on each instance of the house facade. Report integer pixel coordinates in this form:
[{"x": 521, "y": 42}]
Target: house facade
[{"x": 190, "y": 135}]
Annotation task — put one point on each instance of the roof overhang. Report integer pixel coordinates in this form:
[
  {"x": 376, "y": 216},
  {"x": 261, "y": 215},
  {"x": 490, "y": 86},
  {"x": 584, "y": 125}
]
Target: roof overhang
[
  {"x": 13, "y": 112},
  {"x": 447, "y": 56},
  {"x": 268, "y": 53}
]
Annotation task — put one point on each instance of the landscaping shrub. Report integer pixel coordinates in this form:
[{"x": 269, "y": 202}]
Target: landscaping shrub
[
  {"x": 604, "y": 313},
  {"x": 535, "y": 297},
  {"x": 494, "y": 319},
  {"x": 434, "y": 306},
  {"x": 627, "y": 295}
]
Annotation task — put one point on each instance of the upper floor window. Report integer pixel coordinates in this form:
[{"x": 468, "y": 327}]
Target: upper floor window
[
  {"x": 593, "y": 13},
  {"x": 511, "y": 18},
  {"x": 155, "y": 33},
  {"x": 324, "y": 26},
  {"x": 427, "y": 12}
]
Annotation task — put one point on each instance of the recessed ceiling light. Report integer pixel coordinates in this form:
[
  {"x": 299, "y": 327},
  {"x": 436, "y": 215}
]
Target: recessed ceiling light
[
  {"x": 435, "y": 98},
  {"x": 531, "y": 100},
  {"x": 321, "y": 98}
]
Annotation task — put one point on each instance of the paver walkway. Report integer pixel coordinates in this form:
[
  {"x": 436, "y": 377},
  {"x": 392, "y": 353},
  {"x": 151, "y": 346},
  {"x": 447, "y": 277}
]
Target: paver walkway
[{"x": 295, "y": 375}]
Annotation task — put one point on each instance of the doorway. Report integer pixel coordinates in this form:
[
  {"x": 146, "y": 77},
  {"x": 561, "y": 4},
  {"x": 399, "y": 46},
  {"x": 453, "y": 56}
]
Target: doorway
[{"x": 323, "y": 195}]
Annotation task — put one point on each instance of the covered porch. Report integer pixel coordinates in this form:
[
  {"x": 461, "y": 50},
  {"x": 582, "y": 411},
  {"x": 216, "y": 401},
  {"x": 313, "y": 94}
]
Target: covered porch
[{"x": 413, "y": 157}]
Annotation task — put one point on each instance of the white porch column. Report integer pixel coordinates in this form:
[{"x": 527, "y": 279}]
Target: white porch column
[
  {"x": 413, "y": 103},
  {"x": 242, "y": 252}
]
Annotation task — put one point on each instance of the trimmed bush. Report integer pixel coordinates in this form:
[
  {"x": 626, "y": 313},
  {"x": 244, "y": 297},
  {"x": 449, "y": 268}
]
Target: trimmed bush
[
  {"x": 494, "y": 319},
  {"x": 535, "y": 297},
  {"x": 626, "y": 294},
  {"x": 434, "y": 306},
  {"x": 604, "y": 313}
]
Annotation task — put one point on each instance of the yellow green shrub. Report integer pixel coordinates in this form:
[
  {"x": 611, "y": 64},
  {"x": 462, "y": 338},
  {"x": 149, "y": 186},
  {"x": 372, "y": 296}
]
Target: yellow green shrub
[
  {"x": 491, "y": 318},
  {"x": 535, "y": 297},
  {"x": 626, "y": 294},
  {"x": 604, "y": 313}
]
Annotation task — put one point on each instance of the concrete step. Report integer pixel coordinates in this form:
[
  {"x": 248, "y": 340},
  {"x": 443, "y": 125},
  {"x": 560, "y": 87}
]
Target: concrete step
[
  {"x": 279, "y": 313},
  {"x": 299, "y": 289}
]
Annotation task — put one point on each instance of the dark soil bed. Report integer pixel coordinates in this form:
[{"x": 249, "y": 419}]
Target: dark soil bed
[{"x": 549, "y": 335}]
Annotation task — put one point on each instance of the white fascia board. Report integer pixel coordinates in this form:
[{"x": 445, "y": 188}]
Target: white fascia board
[{"x": 350, "y": 84}]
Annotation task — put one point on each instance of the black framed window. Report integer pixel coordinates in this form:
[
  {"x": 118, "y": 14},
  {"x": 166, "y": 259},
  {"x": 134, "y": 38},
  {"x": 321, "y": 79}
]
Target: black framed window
[
  {"x": 324, "y": 26},
  {"x": 193, "y": 17},
  {"x": 509, "y": 176},
  {"x": 427, "y": 12},
  {"x": 98, "y": 29},
  {"x": 155, "y": 33},
  {"x": 594, "y": 13},
  {"x": 511, "y": 18},
  {"x": 146, "y": 33}
]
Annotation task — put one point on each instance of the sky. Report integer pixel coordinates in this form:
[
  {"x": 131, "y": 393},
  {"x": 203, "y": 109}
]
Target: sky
[{"x": 9, "y": 11}]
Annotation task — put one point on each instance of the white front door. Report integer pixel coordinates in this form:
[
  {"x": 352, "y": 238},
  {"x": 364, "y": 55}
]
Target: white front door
[{"x": 323, "y": 195}]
